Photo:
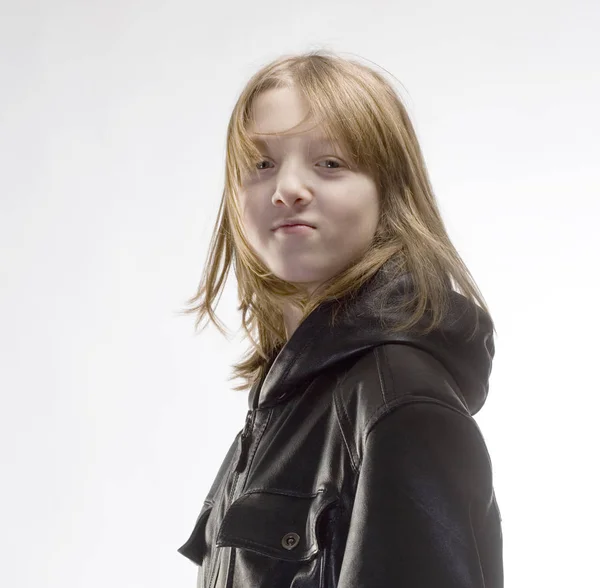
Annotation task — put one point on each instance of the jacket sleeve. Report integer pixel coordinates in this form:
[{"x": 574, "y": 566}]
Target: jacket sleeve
[{"x": 425, "y": 513}]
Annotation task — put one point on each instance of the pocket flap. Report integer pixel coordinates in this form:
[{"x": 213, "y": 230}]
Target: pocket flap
[
  {"x": 276, "y": 523},
  {"x": 195, "y": 547}
]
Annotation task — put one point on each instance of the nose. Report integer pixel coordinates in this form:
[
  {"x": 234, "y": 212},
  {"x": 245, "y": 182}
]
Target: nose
[{"x": 291, "y": 185}]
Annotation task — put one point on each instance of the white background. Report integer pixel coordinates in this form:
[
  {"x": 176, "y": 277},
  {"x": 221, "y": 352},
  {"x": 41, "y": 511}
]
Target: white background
[{"x": 115, "y": 417}]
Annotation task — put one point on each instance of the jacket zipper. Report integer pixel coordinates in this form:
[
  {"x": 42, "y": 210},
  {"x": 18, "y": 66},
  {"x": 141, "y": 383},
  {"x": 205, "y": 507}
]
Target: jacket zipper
[
  {"x": 245, "y": 440},
  {"x": 242, "y": 459}
]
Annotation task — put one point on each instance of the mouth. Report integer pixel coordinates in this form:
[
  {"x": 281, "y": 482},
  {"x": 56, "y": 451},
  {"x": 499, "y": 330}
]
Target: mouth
[
  {"x": 294, "y": 229},
  {"x": 293, "y": 225}
]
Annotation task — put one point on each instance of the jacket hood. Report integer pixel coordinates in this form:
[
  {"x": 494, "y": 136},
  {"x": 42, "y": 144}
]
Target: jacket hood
[{"x": 466, "y": 351}]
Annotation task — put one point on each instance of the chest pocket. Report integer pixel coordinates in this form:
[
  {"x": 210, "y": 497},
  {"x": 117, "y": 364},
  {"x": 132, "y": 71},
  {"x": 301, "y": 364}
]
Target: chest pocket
[{"x": 277, "y": 524}]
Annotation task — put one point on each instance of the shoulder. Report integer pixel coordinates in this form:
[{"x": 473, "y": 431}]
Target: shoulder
[{"x": 387, "y": 379}]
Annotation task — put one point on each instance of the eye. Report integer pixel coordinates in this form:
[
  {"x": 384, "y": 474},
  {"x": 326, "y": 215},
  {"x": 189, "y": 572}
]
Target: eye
[{"x": 334, "y": 161}]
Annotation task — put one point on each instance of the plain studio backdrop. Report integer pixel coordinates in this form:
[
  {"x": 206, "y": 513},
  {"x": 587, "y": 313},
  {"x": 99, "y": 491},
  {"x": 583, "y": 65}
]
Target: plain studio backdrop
[{"x": 115, "y": 416}]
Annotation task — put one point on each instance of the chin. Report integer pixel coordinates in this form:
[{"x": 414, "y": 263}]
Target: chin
[{"x": 303, "y": 279}]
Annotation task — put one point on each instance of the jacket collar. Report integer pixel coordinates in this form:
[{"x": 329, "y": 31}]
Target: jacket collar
[{"x": 315, "y": 346}]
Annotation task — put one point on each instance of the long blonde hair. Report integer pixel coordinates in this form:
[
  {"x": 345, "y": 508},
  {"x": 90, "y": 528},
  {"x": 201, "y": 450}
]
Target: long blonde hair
[{"x": 360, "y": 110}]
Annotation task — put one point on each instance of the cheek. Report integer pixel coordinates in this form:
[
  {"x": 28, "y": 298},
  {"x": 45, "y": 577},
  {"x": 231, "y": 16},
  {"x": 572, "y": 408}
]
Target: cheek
[
  {"x": 250, "y": 215},
  {"x": 357, "y": 219},
  {"x": 256, "y": 227}
]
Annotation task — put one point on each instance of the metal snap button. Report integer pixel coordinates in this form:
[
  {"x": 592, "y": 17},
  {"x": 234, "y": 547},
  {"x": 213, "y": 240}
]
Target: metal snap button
[{"x": 290, "y": 540}]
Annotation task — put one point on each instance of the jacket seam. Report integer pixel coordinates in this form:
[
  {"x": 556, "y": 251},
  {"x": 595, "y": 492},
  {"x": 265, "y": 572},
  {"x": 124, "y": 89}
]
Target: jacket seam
[
  {"x": 341, "y": 415},
  {"x": 250, "y": 457},
  {"x": 380, "y": 414},
  {"x": 376, "y": 353},
  {"x": 278, "y": 491},
  {"x": 387, "y": 406}
]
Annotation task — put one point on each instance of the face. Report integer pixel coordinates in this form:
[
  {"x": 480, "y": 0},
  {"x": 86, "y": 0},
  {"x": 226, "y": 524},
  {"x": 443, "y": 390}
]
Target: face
[{"x": 302, "y": 176}]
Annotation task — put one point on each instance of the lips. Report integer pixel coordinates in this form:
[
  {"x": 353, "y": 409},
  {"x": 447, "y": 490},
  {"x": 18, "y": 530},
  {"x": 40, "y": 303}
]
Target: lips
[
  {"x": 296, "y": 224},
  {"x": 295, "y": 229}
]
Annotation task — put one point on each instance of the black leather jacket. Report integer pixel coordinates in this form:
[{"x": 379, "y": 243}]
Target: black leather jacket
[{"x": 360, "y": 464}]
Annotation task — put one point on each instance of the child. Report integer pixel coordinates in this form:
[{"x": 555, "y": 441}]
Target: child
[{"x": 360, "y": 464}]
